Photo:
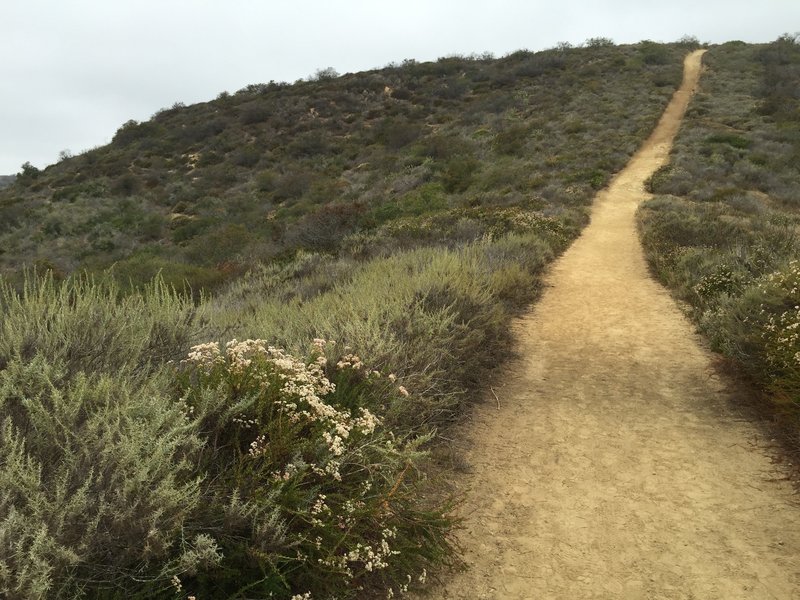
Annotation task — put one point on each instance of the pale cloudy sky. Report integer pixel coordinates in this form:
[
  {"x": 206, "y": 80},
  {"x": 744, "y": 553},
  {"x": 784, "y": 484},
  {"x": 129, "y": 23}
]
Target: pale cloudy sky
[{"x": 74, "y": 70}]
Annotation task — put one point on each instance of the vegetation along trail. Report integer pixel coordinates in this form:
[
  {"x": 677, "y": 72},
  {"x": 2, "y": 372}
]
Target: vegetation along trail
[{"x": 611, "y": 465}]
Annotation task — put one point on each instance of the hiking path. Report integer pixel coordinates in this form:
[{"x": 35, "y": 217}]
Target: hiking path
[{"x": 611, "y": 464}]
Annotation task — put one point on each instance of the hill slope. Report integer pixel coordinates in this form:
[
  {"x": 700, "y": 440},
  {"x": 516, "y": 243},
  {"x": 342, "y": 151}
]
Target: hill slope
[
  {"x": 406, "y": 213},
  {"x": 611, "y": 464},
  {"x": 723, "y": 233},
  {"x": 358, "y": 164}
]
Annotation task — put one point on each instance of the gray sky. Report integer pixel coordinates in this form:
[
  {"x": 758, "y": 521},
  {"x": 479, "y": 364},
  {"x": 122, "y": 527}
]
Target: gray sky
[{"x": 75, "y": 70}]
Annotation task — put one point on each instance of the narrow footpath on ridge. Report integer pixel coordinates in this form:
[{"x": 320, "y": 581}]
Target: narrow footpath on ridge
[{"x": 612, "y": 464}]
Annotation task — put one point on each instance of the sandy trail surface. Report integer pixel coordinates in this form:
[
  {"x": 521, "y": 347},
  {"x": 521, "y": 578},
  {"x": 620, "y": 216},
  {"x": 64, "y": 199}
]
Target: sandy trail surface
[{"x": 612, "y": 465}]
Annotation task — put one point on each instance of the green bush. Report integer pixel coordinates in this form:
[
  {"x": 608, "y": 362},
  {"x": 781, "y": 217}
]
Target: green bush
[
  {"x": 139, "y": 269},
  {"x": 458, "y": 173},
  {"x": 511, "y": 140},
  {"x": 731, "y": 139}
]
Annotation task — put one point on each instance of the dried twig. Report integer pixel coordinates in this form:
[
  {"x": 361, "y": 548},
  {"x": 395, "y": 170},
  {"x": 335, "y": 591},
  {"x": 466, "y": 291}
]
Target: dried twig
[{"x": 495, "y": 397}]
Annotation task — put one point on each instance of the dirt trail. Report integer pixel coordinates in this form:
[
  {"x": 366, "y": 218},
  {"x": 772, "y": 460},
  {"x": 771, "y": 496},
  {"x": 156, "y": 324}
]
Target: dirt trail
[{"x": 613, "y": 466}]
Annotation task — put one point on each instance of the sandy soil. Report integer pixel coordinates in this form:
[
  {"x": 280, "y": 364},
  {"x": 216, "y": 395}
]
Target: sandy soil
[{"x": 614, "y": 466}]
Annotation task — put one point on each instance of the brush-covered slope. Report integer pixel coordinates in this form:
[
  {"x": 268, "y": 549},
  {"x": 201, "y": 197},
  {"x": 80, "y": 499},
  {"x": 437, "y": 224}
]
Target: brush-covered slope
[
  {"x": 404, "y": 213},
  {"x": 414, "y": 153},
  {"x": 724, "y": 231}
]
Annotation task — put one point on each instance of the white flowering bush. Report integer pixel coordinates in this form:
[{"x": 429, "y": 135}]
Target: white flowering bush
[
  {"x": 778, "y": 333},
  {"x": 304, "y": 491}
]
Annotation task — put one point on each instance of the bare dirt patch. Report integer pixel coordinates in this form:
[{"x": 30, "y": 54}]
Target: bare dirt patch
[{"x": 613, "y": 465}]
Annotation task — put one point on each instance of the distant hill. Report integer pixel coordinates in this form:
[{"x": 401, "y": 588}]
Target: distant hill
[
  {"x": 359, "y": 162},
  {"x": 6, "y": 180}
]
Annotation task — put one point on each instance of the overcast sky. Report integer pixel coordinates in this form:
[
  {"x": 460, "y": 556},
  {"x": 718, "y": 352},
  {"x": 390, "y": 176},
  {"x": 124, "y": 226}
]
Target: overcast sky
[{"x": 74, "y": 70}]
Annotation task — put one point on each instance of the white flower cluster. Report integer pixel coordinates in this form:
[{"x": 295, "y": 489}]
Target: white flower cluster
[
  {"x": 350, "y": 361},
  {"x": 205, "y": 356},
  {"x": 374, "y": 558},
  {"x": 258, "y": 446},
  {"x": 783, "y": 337},
  {"x": 371, "y": 558},
  {"x": 303, "y": 386},
  {"x": 781, "y": 332}
]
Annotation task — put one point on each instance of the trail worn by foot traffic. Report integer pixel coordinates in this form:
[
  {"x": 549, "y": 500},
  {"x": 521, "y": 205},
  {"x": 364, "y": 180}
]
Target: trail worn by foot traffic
[{"x": 611, "y": 465}]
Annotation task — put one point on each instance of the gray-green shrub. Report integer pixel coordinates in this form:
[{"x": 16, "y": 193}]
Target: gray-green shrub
[{"x": 95, "y": 481}]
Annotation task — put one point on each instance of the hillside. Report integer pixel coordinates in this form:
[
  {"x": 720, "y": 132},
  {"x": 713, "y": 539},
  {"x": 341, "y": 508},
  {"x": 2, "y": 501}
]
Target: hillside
[
  {"x": 411, "y": 154},
  {"x": 362, "y": 244},
  {"x": 723, "y": 231},
  {"x": 406, "y": 213},
  {"x": 6, "y": 180}
]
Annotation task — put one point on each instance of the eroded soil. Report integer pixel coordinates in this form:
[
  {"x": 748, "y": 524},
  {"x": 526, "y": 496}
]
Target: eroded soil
[{"x": 613, "y": 465}]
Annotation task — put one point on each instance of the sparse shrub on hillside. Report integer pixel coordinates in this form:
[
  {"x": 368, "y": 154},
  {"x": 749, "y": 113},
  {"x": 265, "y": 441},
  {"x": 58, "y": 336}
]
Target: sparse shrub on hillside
[
  {"x": 247, "y": 157},
  {"x": 217, "y": 246},
  {"x": 689, "y": 42},
  {"x": 325, "y": 74},
  {"x": 292, "y": 185},
  {"x": 255, "y": 114},
  {"x": 599, "y": 42},
  {"x": 126, "y": 185},
  {"x": 266, "y": 181},
  {"x": 397, "y": 133},
  {"x": 530, "y": 64},
  {"x": 309, "y": 144},
  {"x": 443, "y": 147},
  {"x": 511, "y": 139},
  {"x": 136, "y": 271},
  {"x": 458, "y": 173},
  {"x": 653, "y": 53},
  {"x": 27, "y": 174},
  {"x": 324, "y": 228},
  {"x": 201, "y": 131}
]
